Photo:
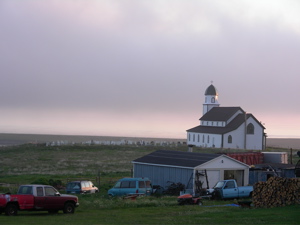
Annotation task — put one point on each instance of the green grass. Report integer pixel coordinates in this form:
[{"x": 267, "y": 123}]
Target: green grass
[
  {"x": 95, "y": 209},
  {"x": 28, "y": 163}
]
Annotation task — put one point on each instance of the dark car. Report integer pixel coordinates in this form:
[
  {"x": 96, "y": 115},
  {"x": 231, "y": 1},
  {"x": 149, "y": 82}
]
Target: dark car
[{"x": 81, "y": 187}]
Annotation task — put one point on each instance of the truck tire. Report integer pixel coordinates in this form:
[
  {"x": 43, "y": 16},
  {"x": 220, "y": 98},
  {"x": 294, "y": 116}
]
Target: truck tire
[
  {"x": 11, "y": 210},
  {"x": 69, "y": 208}
]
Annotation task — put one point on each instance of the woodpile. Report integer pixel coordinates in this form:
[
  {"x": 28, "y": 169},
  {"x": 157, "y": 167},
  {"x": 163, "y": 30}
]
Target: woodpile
[{"x": 277, "y": 191}]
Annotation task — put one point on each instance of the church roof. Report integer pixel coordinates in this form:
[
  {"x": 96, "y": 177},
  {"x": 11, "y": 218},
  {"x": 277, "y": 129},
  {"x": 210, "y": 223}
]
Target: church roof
[
  {"x": 221, "y": 113},
  {"x": 233, "y": 125},
  {"x": 176, "y": 158},
  {"x": 211, "y": 90}
]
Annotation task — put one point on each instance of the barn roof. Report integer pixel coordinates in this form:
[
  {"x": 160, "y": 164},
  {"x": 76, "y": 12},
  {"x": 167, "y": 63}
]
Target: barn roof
[{"x": 176, "y": 158}]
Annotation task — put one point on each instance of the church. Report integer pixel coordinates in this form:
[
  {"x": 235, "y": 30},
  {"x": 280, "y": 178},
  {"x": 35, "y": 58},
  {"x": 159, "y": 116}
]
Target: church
[{"x": 226, "y": 127}]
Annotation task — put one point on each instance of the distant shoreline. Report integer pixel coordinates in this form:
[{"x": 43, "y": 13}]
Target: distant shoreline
[{"x": 7, "y": 139}]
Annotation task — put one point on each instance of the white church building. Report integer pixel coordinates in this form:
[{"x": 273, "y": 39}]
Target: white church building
[{"x": 226, "y": 127}]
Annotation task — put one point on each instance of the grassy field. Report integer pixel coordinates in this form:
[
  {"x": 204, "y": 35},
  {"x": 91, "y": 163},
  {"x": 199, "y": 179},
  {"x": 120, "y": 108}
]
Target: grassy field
[
  {"x": 150, "y": 210},
  {"x": 29, "y": 163}
]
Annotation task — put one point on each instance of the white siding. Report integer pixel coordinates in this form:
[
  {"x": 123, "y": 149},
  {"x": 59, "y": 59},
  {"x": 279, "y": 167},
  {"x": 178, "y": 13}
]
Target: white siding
[
  {"x": 237, "y": 138},
  {"x": 255, "y": 141},
  {"x": 213, "y": 177},
  {"x": 209, "y": 140},
  {"x": 223, "y": 163}
]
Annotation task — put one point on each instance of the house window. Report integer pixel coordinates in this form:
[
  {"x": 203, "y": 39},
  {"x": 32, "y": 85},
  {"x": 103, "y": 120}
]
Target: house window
[
  {"x": 250, "y": 128},
  {"x": 229, "y": 139},
  {"x": 189, "y": 136}
]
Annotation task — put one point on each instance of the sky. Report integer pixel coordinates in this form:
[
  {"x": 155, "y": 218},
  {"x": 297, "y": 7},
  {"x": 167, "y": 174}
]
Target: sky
[{"x": 140, "y": 68}]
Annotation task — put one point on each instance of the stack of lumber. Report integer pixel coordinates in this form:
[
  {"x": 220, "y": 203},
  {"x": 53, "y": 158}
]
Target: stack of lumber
[{"x": 277, "y": 191}]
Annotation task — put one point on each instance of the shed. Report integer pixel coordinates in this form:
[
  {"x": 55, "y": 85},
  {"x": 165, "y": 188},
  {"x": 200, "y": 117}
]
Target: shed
[
  {"x": 176, "y": 166},
  {"x": 262, "y": 172}
]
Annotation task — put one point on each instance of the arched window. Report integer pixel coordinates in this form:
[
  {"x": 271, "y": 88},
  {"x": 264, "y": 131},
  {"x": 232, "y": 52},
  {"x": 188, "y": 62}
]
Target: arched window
[
  {"x": 250, "y": 128},
  {"x": 229, "y": 139},
  {"x": 213, "y": 99}
]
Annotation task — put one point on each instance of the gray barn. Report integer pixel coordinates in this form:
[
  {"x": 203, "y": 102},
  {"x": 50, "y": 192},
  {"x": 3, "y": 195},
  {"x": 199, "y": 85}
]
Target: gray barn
[{"x": 163, "y": 165}]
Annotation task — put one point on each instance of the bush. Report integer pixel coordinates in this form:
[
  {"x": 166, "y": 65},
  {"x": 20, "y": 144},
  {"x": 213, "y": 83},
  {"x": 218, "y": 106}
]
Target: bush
[{"x": 55, "y": 183}]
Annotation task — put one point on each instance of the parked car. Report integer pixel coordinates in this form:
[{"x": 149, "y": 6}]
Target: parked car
[
  {"x": 131, "y": 186},
  {"x": 37, "y": 198},
  {"x": 81, "y": 187},
  {"x": 228, "y": 189}
]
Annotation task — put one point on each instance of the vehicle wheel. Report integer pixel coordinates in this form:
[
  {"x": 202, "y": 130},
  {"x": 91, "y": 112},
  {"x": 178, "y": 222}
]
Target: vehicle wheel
[
  {"x": 200, "y": 203},
  {"x": 11, "y": 210},
  {"x": 69, "y": 208}
]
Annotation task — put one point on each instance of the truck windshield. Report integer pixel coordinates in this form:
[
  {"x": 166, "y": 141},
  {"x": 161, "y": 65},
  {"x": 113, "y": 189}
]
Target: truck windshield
[{"x": 219, "y": 184}]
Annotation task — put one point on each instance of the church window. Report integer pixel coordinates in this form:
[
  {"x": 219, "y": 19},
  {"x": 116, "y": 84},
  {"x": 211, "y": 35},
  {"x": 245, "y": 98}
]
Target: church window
[
  {"x": 213, "y": 100},
  {"x": 229, "y": 139},
  {"x": 193, "y": 137},
  {"x": 250, "y": 128},
  {"x": 189, "y": 136},
  {"x": 198, "y": 137},
  {"x": 207, "y": 138},
  {"x": 203, "y": 138}
]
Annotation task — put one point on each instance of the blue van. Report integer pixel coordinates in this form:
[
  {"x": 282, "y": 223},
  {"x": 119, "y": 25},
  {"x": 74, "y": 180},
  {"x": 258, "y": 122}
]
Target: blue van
[{"x": 131, "y": 186}]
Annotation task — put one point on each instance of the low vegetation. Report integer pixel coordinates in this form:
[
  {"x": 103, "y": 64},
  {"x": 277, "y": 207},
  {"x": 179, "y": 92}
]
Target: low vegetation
[{"x": 104, "y": 165}]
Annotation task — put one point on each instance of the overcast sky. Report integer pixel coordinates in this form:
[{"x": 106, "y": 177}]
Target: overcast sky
[{"x": 141, "y": 67}]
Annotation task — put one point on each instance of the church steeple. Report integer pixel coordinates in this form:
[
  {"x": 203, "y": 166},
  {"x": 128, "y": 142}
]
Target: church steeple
[{"x": 211, "y": 99}]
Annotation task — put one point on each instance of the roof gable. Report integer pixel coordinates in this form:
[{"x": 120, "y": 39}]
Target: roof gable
[
  {"x": 176, "y": 158},
  {"x": 224, "y": 161}
]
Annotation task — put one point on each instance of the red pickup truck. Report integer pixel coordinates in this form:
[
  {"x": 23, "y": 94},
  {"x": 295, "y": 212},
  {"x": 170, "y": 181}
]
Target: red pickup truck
[{"x": 37, "y": 198}]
